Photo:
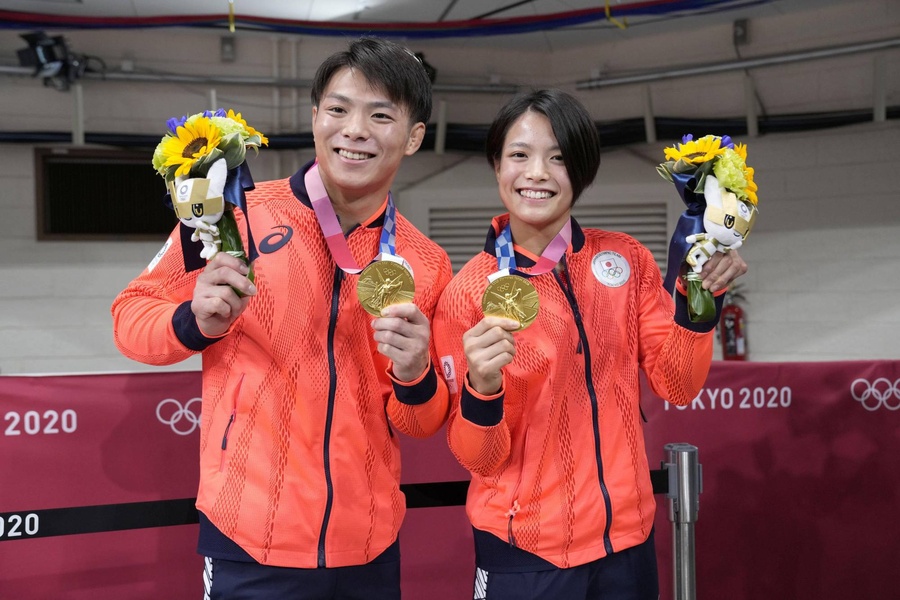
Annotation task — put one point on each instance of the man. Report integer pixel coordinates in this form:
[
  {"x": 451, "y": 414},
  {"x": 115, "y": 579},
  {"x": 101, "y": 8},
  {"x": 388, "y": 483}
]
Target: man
[{"x": 302, "y": 389}]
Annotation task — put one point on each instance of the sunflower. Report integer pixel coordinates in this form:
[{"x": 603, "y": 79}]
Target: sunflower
[
  {"x": 696, "y": 152},
  {"x": 751, "y": 188},
  {"x": 250, "y": 131},
  {"x": 193, "y": 140}
]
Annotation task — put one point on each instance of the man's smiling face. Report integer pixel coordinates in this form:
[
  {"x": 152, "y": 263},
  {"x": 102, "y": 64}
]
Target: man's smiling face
[{"x": 361, "y": 137}]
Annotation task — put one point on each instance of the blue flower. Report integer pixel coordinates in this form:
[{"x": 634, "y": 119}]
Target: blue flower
[{"x": 174, "y": 123}]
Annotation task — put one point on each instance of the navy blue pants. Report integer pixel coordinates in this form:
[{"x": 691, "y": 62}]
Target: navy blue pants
[
  {"x": 627, "y": 575},
  {"x": 237, "y": 580}
]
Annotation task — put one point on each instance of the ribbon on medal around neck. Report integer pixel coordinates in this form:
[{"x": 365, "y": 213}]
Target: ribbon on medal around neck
[
  {"x": 331, "y": 228},
  {"x": 237, "y": 183},
  {"x": 689, "y": 223},
  {"x": 550, "y": 257}
]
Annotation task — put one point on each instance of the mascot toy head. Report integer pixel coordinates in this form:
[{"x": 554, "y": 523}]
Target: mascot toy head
[
  {"x": 726, "y": 218},
  {"x": 200, "y": 200}
]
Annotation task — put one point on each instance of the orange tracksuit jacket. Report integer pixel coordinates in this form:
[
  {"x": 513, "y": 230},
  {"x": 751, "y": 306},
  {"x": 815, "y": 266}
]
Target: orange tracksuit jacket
[
  {"x": 299, "y": 464},
  {"x": 558, "y": 463}
]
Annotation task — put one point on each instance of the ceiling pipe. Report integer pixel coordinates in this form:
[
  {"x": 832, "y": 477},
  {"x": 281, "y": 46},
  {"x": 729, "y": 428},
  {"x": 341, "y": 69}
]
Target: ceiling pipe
[
  {"x": 764, "y": 61},
  {"x": 738, "y": 65},
  {"x": 256, "y": 81}
]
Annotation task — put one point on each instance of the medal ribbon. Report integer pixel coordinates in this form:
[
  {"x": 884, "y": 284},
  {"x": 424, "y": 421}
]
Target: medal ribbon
[
  {"x": 331, "y": 228},
  {"x": 506, "y": 255}
]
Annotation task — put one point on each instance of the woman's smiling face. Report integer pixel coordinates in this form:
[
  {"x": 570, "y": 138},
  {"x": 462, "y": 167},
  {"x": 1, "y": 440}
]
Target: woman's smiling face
[{"x": 532, "y": 177}]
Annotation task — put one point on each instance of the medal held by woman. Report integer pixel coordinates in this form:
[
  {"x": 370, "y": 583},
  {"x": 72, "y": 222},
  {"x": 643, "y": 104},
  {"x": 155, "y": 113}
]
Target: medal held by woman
[{"x": 509, "y": 293}]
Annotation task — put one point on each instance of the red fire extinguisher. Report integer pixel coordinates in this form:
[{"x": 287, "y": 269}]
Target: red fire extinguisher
[{"x": 732, "y": 328}]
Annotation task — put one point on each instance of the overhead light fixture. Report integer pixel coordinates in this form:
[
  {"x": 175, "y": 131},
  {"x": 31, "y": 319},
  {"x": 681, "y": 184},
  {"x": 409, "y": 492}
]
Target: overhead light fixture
[{"x": 51, "y": 60}]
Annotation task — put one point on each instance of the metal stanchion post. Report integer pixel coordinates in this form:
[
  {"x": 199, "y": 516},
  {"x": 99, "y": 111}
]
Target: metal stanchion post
[{"x": 685, "y": 485}]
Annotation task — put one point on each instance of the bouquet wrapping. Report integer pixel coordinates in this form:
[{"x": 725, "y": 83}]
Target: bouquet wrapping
[
  {"x": 713, "y": 180},
  {"x": 202, "y": 159}
]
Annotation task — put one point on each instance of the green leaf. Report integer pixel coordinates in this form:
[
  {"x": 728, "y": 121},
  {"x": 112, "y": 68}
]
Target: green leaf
[
  {"x": 231, "y": 240},
  {"x": 664, "y": 172},
  {"x": 701, "y": 304},
  {"x": 201, "y": 167}
]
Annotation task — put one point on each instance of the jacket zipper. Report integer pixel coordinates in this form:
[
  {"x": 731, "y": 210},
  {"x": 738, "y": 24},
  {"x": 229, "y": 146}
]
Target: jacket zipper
[
  {"x": 514, "y": 507},
  {"x": 595, "y": 415},
  {"x": 329, "y": 416},
  {"x": 237, "y": 393}
]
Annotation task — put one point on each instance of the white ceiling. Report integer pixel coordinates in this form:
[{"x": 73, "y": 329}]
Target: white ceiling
[{"x": 431, "y": 11}]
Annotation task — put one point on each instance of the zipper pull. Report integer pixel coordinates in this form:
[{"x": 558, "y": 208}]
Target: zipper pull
[
  {"x": 227, "y": 429},
  {"x": 512, "y": 512},
  {"x": 225, "y": 442},
  {"x": 230, "y": 421}
]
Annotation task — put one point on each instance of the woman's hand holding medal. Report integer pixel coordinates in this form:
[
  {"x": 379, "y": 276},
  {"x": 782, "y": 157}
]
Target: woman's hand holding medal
[{"x": 489, "y": 346}]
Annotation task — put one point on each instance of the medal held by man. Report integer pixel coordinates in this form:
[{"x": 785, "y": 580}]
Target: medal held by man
[
  {"x": 388, "y": 279},
  {"x": 384, "y": 282}
]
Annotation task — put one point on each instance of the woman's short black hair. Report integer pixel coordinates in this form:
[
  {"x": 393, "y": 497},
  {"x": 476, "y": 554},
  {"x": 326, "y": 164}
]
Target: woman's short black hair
[
  {"x": 573, "y": 127},
  {"x": 386, "y": 66}
]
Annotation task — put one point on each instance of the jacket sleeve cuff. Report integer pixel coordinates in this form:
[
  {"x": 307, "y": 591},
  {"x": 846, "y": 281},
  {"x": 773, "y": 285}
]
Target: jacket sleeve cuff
[
  {"x": 485, "y": 411},
  {"x": 682, "y": 317},
  {"x": 188, "y": 332},
  {"x": 418, "y": 391}
]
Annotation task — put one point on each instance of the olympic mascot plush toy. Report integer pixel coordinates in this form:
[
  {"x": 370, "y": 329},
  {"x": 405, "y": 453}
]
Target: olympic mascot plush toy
[
  {"x": 727, "y": 221},
  {"x": 713, "y": 180},
  {"x": 199, "y": 203}
]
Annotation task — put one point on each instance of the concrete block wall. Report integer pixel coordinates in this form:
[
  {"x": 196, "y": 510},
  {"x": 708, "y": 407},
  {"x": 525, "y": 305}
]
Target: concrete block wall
[{"x": 825, "y": 276}]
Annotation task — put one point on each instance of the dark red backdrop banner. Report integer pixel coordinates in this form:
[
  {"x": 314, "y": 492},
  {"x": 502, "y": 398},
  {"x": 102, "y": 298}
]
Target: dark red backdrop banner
[
  {"x": 799, "y": 497},
  {"x": 798, "y": 502}
]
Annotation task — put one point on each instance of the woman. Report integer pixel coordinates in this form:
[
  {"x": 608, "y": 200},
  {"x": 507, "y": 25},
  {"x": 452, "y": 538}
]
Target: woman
[{"x": 547, "y": 417}]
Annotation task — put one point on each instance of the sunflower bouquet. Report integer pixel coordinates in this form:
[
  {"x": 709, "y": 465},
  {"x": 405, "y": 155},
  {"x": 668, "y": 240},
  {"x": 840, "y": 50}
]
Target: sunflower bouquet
[
  {"x": 714, "y": 182},
  {"x": 202, "y": 159}
]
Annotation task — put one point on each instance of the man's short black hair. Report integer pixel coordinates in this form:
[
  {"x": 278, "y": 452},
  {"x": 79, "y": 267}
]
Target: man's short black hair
[
  {"x": 573, "y": 127},
  {"x": 386, "y": 66}
]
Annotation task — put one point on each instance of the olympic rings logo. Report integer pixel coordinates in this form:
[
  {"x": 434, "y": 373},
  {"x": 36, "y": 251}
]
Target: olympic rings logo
[
  {"x": 182, "y": 419},
  {"x": 614, "y": 272},
  {"x": 873, "y": 394}
]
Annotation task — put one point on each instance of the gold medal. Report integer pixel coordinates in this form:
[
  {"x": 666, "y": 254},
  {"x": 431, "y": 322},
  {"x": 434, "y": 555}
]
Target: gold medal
[
  {"x": 512, "y": 297},
  {"x": 382, "y": 283}
]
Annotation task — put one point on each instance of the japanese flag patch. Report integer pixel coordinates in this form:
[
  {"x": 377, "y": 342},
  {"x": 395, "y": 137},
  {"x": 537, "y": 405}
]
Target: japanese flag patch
[{"x": 610, "y": 268}]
